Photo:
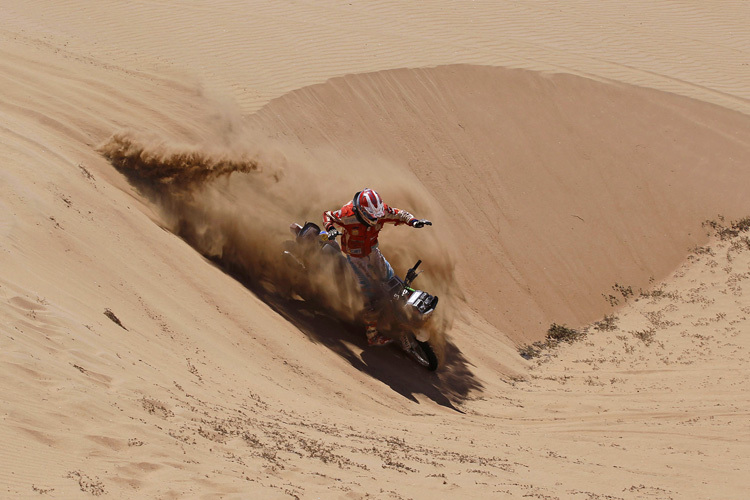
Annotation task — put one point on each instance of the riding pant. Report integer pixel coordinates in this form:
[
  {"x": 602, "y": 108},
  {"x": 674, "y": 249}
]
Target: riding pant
[{"x": 371, "y": 271}]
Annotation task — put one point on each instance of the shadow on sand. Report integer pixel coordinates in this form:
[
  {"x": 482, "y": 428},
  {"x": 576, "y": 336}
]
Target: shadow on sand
[{"x": 449, "y": 385}]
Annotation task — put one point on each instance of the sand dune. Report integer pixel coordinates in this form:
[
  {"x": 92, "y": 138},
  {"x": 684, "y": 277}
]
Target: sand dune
[
  {"x": 567, "y": 153},
  {"x": 260, "y": 51},
  {"x": 558, "y": 185}
]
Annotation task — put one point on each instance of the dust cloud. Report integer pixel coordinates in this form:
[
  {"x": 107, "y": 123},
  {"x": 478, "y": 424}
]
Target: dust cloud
[{"x": 233, "y": 196}]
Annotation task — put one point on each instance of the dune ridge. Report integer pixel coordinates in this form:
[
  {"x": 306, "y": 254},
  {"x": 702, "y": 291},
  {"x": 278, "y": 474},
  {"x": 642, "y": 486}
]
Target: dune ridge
[{"x": 689, "y": 49}]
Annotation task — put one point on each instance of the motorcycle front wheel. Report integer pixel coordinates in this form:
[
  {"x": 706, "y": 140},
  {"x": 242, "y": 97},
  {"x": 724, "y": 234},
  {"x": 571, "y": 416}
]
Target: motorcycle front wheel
[{"x": 421, "y": 352}]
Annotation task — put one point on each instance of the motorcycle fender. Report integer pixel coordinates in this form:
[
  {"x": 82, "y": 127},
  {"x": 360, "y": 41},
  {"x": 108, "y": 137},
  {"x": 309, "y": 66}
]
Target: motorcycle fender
[{"x": 422, "y": 335}]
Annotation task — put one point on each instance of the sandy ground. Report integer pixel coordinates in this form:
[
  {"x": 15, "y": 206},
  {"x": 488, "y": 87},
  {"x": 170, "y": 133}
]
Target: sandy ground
[{"x": 153, "y": 155}]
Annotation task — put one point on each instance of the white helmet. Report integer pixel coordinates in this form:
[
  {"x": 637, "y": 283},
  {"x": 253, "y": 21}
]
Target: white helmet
[{"x": 369, "y": 205}]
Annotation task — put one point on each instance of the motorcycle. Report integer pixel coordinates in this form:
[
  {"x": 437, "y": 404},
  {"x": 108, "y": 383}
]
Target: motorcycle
[{"x": 403, "y": 311}]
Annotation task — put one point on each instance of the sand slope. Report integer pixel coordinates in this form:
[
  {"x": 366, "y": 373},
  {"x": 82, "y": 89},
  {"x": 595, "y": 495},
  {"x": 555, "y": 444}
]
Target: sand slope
[
  {"x": 135, "y": 367},
  {"x": 554, "y": 187}
]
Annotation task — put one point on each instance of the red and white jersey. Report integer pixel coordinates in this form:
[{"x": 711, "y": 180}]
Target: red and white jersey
[{"x": 357, "y": 238}]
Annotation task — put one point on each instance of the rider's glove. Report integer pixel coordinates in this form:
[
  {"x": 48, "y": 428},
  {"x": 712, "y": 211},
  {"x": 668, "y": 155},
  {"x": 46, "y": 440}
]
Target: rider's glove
[
  {"x": 332, "y": 234},
  {"x": 420, "y": 223}
]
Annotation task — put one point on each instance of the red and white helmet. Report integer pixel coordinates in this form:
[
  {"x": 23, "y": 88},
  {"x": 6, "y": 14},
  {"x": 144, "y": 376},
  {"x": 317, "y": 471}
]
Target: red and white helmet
[{"x": 369, "y": 205}]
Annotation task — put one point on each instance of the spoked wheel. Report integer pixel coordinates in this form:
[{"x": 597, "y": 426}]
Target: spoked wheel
[{"x": 421, "y": 352}]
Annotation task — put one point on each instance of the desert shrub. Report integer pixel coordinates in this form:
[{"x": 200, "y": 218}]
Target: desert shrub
[
  {"x": 706, "y": 250},
  {"x": 608, "y": 324},
  {"x": 646, "y": 335},
  {"x": 625, "y": 291},
  {"x": 555, "y": 334},
  {"x": 563, "y": 333},
  {"x": 724, "y": 231},
  {"x": 534, "y": 350}
]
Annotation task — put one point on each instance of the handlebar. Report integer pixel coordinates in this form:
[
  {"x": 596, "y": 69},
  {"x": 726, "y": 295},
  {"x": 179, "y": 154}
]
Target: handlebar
[
  {"x": 330, "y": 236},
  {"x": 412, "y": 273}
]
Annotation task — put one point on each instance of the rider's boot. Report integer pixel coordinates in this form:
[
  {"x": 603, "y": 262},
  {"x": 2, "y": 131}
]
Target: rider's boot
[{"x": 374, "y": 337}]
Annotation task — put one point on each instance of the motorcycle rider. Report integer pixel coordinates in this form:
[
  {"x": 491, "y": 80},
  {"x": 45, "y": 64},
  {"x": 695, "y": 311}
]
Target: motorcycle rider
[{"x": 359, "y": 222}]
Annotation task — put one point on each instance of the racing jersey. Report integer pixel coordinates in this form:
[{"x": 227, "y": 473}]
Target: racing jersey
[{"x": 358, "y": 238}]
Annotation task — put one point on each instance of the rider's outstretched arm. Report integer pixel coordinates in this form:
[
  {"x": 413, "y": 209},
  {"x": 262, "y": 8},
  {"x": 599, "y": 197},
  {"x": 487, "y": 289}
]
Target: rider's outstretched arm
[{"x": 398, "y": 216}]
